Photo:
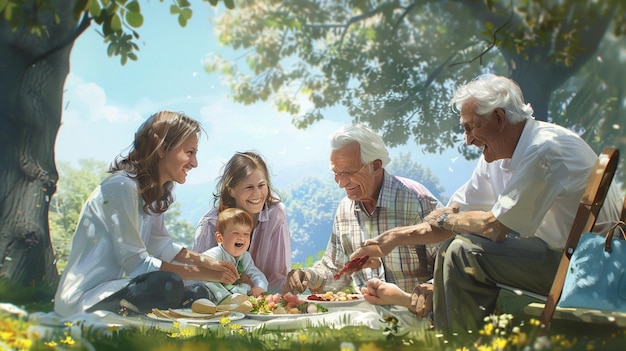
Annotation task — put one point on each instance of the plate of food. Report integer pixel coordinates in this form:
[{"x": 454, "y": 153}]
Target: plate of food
[
  {"x": 332, "y": 299},
  {"x": 274, "y": 306},
  {"x": 187, "y": 315}
]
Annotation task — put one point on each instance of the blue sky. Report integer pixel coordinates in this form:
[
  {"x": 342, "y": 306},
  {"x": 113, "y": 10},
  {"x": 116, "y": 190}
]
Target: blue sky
[{"x": 105, "y": 102}]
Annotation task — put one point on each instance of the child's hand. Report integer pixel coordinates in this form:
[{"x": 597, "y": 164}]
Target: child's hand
[{"x": 257, "y": 291}]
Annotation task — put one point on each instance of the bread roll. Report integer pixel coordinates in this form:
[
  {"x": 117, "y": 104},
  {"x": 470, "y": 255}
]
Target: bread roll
[
  {"x": 203, "y": 306},
  {"x": 235, "y": 298},
  {"x": 244, "y": 307}
]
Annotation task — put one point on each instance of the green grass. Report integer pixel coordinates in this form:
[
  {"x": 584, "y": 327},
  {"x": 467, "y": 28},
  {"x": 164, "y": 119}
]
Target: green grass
[{"x": 510, "y": 330}]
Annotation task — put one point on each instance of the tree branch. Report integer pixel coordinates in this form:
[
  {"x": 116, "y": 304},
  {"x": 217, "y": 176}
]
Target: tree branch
[
  {"x": 402, "y": 16},
  {"x": 493, "y": 44},
  {"x": 82, "y": 26},
  {"x": 366, "y": 15}
]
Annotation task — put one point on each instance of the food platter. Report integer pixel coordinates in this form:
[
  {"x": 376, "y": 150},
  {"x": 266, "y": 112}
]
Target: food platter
[
  {"x": 322, "y": 299},
  {"x": 232, "y": 315},
  {"x": 267, "y": 317}
]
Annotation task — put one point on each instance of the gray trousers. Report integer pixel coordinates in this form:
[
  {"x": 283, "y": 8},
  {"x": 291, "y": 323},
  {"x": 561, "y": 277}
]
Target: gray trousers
[{"x": 468, "y": 267}]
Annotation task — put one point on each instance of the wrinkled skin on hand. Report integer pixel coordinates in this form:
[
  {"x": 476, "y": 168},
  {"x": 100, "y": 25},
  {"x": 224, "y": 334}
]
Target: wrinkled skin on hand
[
  {"x": 355, "y": 264},
  {"x": 422, "y": 300},
  {"x": 433, "y": 217},
  {"x": 378, "y": 292},
  {"x": 298, "y": 281}
]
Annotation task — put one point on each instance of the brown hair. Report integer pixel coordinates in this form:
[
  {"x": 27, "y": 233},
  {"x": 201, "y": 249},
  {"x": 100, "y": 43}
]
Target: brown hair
[
  {"x": 240, "y": 166},
  {"x": 232, "y": 216},
  {"x": 163, "y": 130}
]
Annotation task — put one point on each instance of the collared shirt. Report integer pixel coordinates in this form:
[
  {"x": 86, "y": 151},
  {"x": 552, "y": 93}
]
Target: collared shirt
[
  {"x": 401, "y": 202},
  {"x": 537, "y": 191},
  {"x": 270, "y": 245},
  {"x": 114, "y": 241}
]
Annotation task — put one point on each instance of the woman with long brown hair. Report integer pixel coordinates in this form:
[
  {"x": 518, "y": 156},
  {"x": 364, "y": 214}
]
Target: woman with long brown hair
[{"x": 122, "y": 258}]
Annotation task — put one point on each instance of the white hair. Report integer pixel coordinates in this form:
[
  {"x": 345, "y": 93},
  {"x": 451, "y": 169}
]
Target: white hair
[
  {"x": 489, "y": 92},
  {"x": 372, "y": 145}
]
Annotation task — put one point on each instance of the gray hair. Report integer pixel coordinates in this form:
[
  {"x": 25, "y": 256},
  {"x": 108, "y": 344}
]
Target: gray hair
[
  {"x": 372, "y": 145},
  {"x": 490, "y": 92}
]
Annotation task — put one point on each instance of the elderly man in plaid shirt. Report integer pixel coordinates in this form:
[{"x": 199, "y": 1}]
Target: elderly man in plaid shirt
[{"x": 375, "y": 201}]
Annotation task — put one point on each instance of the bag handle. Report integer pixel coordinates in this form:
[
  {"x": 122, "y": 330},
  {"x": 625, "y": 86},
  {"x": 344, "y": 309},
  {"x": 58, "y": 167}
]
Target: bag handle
[{"x": 609, "y": 235}]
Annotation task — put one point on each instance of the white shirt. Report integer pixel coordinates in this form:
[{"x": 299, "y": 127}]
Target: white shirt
[
  {"x": 114, "y": 241},
  {"x": 537, "y": 191}
]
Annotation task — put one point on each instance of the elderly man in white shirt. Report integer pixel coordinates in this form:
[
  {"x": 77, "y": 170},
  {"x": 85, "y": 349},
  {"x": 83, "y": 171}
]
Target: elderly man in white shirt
[{"x": 509, "y": 222}]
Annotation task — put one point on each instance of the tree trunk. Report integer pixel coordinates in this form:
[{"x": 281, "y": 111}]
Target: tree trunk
[{"x": 33, "y": 70}]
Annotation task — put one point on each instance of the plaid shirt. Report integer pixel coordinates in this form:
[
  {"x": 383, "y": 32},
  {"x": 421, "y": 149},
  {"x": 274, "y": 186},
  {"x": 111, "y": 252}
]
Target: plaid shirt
[{"x": 401, "y": 202}]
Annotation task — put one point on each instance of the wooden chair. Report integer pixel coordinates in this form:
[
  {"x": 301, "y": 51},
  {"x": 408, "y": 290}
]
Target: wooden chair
[{"x": 590, "y": 204}]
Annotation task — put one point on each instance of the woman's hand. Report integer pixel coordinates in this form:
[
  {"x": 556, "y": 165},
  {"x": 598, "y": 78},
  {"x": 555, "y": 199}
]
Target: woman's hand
[{"x": 221, "y": 271}]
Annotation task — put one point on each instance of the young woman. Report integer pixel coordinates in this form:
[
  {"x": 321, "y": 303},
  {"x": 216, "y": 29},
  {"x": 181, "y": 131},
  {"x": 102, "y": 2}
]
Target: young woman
[
  {"x": 122, "y": 258},
  {"x": 245, "y": 184}
]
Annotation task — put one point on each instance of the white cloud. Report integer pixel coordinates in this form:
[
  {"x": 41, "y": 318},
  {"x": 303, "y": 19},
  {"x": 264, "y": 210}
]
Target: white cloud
[
  {"x": 87, "y": 101},
  {"x": 94, "y": 127}
]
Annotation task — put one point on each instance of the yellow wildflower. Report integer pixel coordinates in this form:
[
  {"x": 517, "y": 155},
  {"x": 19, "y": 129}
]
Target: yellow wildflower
[
  {"x": 224, "y": 320},
  {"x": 51, "y": 344},
  {"x": 185, "y": 333},
  {"x": 68, "y": 340},
  {"x": 499, "y": 343},
  {"x": 7, "y": 335},
  {"x": 487, "y": 329}
]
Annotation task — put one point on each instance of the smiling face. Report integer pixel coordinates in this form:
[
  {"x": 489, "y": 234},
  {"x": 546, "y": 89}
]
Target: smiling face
[
  {"x": 235, "y": 239},
  {"x": 250, "y": 194},
  {"x": 485, "y": 131},
  {"x": 359, "y": 181},
  {"x": 174, "y": 164}
]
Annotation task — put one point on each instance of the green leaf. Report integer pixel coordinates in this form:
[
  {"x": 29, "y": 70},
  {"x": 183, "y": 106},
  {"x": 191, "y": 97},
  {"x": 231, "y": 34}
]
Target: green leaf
[
  {"x": 174, "y": 9},
  {"x": 94, "y": 8},
  {"x": 111, "y": 50},
  {"x": 182, "y": 20},
  {"x": 187, "y": 13},
  {"x": 3, "y": 4},
  {"x": 116, "y": 23},
  {"x": 230, "y": 4},
  {"x": 134, "y": 19},
  {"x": 8, "y": 13},
  {"x": 489, "y": 27},
  {"x": 133, "y": 6}
]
